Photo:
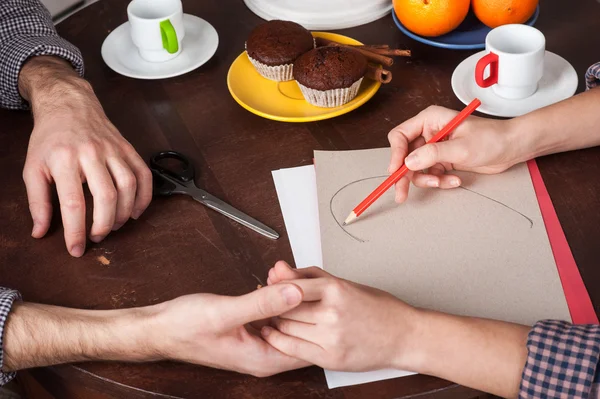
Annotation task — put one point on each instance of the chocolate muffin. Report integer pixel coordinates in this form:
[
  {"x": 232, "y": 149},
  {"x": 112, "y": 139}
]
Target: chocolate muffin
[
  {"x": 330, "y": 76},
  {"x": 274, "y": 46}
]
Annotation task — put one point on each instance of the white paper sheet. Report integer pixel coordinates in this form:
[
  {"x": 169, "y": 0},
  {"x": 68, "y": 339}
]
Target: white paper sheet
[{"x": 297, "y": 193}]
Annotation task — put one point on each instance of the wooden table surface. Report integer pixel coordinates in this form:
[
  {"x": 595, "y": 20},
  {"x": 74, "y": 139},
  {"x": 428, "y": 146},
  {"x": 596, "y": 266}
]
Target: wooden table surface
[{"x": 179, "y": 247}]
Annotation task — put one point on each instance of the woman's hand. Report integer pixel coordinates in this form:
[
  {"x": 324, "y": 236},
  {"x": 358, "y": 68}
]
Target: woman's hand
[
  {"x": 477, "y": 145},
  {"x": 349, "y": 327},
  {"x": 342, "y": 325}
]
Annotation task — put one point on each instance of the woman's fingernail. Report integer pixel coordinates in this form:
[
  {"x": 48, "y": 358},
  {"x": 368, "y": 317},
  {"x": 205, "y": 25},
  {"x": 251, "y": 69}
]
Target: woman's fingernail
[
  {"x": 411, "y": 160},
  {"x": 291, "y": 295},
  {"x": 455, "y": 182},
  {"x": 269, "y": 281},
  {"x": 136, "y": 214},
  {"x": 266, "y": 331},
  {"x": 433, "y": 183}
]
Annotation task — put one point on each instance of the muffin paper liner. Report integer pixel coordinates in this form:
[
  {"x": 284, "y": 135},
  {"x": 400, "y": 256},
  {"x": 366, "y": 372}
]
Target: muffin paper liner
[
  {"x": 330, "y": 98},
  {"x": 278, "y": 73}
]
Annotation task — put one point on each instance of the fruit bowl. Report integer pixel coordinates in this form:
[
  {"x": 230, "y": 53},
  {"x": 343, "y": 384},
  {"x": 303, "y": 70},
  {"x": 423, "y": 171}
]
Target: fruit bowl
[{"x": 470, "y": 35}]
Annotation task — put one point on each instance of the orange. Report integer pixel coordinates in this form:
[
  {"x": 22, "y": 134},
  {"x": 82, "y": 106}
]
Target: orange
[
  {"x": 494, "y": 13},
  {"x": 431, "y": 17}
]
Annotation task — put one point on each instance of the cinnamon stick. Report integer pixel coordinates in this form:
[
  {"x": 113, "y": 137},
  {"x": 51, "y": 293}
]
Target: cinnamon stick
[
  {"x": 372, "y": 46},
  {"x": 370, "y": 56},
  {"x": 378, "y": 74},
  {"x": 390, "y": 52},
  {"x": 376, "y": 58}
]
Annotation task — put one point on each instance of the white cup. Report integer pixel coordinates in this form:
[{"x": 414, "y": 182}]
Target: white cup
[
  {"x": 156, "y": 28},
  {"x": 515, "y": 56}
]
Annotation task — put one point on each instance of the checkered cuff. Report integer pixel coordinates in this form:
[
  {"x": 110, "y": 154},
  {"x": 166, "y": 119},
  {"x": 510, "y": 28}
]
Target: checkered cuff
[
  {"x": 562, "y": 361},
  {"x": 7, "y": 297},
  {"x": 26, "y": 30},
  {"x": 592, "y": 76},
  {"x": 14, "y": 54}
]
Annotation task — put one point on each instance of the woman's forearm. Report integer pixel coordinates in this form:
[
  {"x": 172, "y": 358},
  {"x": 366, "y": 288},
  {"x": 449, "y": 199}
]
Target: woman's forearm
[
  {"x": 483, "y": 354},
  {"x": 569, "y": 125}
]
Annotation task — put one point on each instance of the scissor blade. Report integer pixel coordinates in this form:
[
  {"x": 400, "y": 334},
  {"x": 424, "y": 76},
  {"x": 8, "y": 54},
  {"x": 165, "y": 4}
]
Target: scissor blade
[{"x": 225, "y": 209}]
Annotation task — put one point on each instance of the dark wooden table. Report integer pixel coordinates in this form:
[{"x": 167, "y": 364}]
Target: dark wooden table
[{"x": 179, "y": 247}]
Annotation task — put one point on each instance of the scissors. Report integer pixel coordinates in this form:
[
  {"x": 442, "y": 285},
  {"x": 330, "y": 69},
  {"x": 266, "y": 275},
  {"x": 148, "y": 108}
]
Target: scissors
[{"x": 168, "y": 181}]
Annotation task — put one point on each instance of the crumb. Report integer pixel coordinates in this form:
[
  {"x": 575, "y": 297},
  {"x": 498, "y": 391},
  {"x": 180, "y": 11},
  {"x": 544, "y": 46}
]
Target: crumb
[
  {"x": 102, "y": 259},
  {"x": 258, "y": 287}
]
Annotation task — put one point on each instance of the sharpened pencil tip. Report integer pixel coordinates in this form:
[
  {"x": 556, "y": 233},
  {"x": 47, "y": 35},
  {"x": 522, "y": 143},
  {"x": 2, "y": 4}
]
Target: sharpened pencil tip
[{"x": 350, "y": 218}]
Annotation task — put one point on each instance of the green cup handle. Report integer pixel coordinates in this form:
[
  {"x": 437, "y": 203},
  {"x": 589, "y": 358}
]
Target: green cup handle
[{"x": 169, "y": 36}]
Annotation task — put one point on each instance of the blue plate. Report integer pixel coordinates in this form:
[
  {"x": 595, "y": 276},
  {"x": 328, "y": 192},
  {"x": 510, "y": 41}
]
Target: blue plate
[{"x": 470, "y": 35}]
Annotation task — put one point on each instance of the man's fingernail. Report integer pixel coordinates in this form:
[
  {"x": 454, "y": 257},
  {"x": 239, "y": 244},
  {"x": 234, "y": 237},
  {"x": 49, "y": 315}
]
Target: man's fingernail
[
  {"x": 77, "y": 251},
  {"x": 433, "y": 183},
  {"x": 136, "y": 214},
  {"x": 269, "y": 281},
  {"x": 455, "y": 182},
  {"x": 265, "y": 331},
  {"x": 411, "y": 160},
  {"x": 291, "y": 295},
  {"x": 96, "y": 239},
  {"x": 117, "y": 226},
  {"x": 34, "y": 230}
]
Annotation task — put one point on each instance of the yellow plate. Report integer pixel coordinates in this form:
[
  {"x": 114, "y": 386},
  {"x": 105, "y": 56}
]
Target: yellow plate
[{"x": 283, "y": 101}]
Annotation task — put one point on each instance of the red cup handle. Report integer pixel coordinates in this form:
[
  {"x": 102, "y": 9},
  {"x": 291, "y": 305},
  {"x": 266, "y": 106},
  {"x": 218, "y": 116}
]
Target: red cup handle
[{"x": 490, "y": 59}]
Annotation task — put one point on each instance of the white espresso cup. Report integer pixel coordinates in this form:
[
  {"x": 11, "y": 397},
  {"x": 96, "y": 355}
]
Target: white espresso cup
[
  {"x": 515, "y": 57},
  {"x": 156, "y": 28}
]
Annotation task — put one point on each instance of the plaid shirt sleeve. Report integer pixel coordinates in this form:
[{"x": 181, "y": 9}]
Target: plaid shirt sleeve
[
  {"x": 592, "y": 76},
  {"x": 26, "y": 30},
  {"x": 562, "y": 361},
  {"x": 7, "y": 297}
]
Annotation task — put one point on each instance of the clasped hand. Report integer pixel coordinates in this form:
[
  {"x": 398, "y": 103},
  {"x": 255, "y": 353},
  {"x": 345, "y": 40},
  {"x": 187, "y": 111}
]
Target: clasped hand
[
  {"x": 342, "y": 325},
  {"x": 224, "y": 332}
]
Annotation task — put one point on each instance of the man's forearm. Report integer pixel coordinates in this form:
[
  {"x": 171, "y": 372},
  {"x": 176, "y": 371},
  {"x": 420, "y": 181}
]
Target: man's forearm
[
  {"x": 28, "y": 34},
  {"x": 483, "y": 354},
  {"x": 44, "y": 81},
  {"x": 41, "y": 335},
  {"x": 569, "y": 125}
]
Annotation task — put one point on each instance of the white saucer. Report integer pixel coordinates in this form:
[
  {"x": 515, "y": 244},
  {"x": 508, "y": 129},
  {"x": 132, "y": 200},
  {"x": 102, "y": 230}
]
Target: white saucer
[
  {"x": 322, "y": 15},
  {"x": 558, "y": 83},
  {"x": 198, "y": 46}
]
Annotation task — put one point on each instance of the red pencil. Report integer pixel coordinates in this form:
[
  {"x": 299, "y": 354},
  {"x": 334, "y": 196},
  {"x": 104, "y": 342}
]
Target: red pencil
[{"x": 397, "y": 175}]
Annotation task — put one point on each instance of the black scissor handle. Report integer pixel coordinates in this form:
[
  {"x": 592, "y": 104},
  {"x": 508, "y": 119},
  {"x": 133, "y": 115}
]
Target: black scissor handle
[{"x": 184, "y": 175}]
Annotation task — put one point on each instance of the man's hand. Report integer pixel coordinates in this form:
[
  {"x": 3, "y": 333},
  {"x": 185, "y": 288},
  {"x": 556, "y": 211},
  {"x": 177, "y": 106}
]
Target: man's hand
[
  {"x": 342, "y": 325},
  {"x": 477, "y": 145},
  {"x": 72, "y": 143},
  {"x": 224, "y": 332},
  {"x": 211, "y": 330}
]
